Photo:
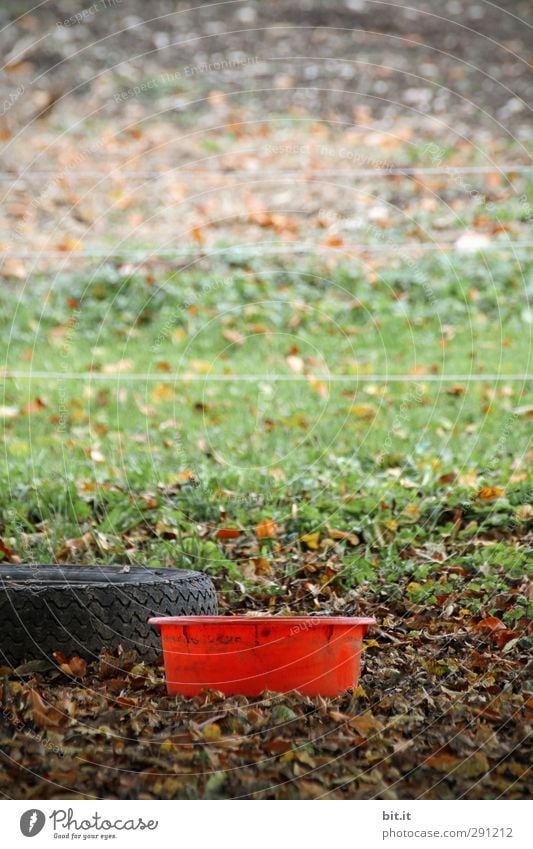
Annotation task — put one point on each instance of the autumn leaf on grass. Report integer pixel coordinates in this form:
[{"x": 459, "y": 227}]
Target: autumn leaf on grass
[
  {"x": 311, "y": 540},
  {"x": 333, "y": 241},
  {"x": 266, "y": 529},
  {"x": 364, "y": 412},
  {"x": 201, "y": 366},
  {"x": 118, "y": 367},
  {"x": 233, "y": 336},
  {"x": 449, "y": 477},
  {"x": 411, "y": 513},
  {"x": 185, "y": 476},
  {"x": 228, "y": 533},
  {"x": 353, "y": 539},
  {"x": 491, "y": 493},
  {"x": 526, "y": 411},
  {"x": 490, "y": 623},
  {"x": 33, "y": 406},
  {"x": 498, "y": 632},
  {"x": 68, "y": 244},
  {"x": 468, "y": 479},
  {"x": 262, "y": 566},
  {"x": 319, "y": 386},
  {"x": 13, "y": 267},
  {"x": 162, "y": 392},
  {"x": 503, "y": 639}
]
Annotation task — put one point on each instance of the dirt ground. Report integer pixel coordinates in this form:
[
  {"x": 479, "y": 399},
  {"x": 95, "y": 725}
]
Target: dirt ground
[{"x": 467, "y": 63}]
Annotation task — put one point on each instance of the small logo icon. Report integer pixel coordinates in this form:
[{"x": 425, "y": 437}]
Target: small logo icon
[{"x": 32, "y": 822}]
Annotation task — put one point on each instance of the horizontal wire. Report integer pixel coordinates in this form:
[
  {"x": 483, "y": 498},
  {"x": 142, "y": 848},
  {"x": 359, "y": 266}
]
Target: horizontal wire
[
  {"x": 280, "y": 378},
  {"x": 263, "y": 249},
  {"x": 329, "y": 172}
]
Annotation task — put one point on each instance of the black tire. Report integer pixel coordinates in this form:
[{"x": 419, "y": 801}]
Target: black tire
[{"x": 79, "y": 609}]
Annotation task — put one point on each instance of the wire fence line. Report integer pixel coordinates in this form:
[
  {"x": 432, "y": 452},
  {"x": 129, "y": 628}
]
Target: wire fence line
[
  {"x": 399, "y": 171},
  {"x": 185, "y": 377},
  {"x": 262, "y": 249}
]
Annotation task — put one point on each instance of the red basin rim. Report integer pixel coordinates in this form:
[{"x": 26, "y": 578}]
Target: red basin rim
[{"x": 261, "y": 620}]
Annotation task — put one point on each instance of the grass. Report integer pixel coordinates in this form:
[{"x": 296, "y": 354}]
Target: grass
[{"x": 148, "y": 469}]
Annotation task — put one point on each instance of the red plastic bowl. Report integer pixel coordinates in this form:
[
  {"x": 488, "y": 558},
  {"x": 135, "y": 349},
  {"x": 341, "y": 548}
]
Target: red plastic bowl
[{"x": 246, "y": 655}]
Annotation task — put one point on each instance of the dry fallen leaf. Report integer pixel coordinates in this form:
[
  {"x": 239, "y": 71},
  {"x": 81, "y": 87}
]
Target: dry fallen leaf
[
  {"x": 162, "y": 392},
  {"x": 76, "y": 667},
  {"x": 266, "y": 529},
  {"x": 333, "y": 241},
  {"x": 311, "y": 540},
  {"x": 43, "y": 714},
  {"x": 33, "y": 406},
  {"x": 228, "y": 533},
  {"x": 234, "y": 337},
  {"x": 353, "y": 539},
  {"x": 468, "y": 479},
  {"x": 365, "y": 412},
  {"x": 185, "y": 476},
  {"x": 118, "y": 367},
  {"x": 366, "y": 724},
  {"x": 8, "y": 554},
  {"x": 526, "y": 411},
  {"x": 491, "y": 493},
  {"x": 490, "y": 624}
]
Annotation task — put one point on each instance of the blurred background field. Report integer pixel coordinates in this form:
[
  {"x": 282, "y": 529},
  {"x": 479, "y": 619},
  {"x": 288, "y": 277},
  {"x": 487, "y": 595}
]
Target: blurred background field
[{"x": 264, "y": 309}]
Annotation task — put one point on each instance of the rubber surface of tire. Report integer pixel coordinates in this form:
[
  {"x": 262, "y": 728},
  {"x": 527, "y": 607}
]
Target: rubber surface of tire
[{"x": 79, "y": 609}]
